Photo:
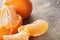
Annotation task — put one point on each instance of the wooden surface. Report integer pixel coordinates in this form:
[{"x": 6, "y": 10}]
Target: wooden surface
[{"x": 50, "y": 11}]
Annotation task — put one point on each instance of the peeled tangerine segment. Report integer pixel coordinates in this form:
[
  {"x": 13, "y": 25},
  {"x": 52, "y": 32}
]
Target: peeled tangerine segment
[
  {"x": 36, "y": 28},
  {"x": 9, "y": 21},
  {"x": 23, "y": 35}
]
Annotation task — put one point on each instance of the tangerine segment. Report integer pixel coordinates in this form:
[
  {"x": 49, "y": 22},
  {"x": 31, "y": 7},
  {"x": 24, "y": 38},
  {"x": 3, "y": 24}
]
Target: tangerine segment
[
  {"x": 9, "y": 21},
  {"x": 21, "y": 28},
  {"x": 16, "y": 21},
  {"x": 22, "y": 7},
  {"x": 3, "y": 31},
  {"x": 23, "y": 35},
  {"x": 1, "y": 38},
  {"x": 36, "y": 28}
]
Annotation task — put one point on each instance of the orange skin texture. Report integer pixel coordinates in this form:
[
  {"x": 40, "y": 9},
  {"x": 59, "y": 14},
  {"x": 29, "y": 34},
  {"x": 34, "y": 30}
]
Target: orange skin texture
[{"x": 22, "y": 7}]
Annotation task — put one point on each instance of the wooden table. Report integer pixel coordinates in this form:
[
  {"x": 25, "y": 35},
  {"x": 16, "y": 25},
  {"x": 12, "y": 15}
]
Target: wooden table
[{"x": 48, "y": 10}]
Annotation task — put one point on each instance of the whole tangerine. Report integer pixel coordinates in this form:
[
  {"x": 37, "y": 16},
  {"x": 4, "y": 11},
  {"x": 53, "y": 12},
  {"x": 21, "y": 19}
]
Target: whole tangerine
[{"x": 22, "y": 7}]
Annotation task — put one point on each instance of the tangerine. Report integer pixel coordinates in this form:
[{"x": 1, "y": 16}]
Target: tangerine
[
  {"x": 22, "y": 7},
  {"x": 9, "y": 21},
  {"x": 36, "y": 28}
]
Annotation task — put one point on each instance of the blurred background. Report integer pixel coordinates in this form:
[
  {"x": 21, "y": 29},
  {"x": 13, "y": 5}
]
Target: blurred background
[{"x": 48, "y": 10}]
